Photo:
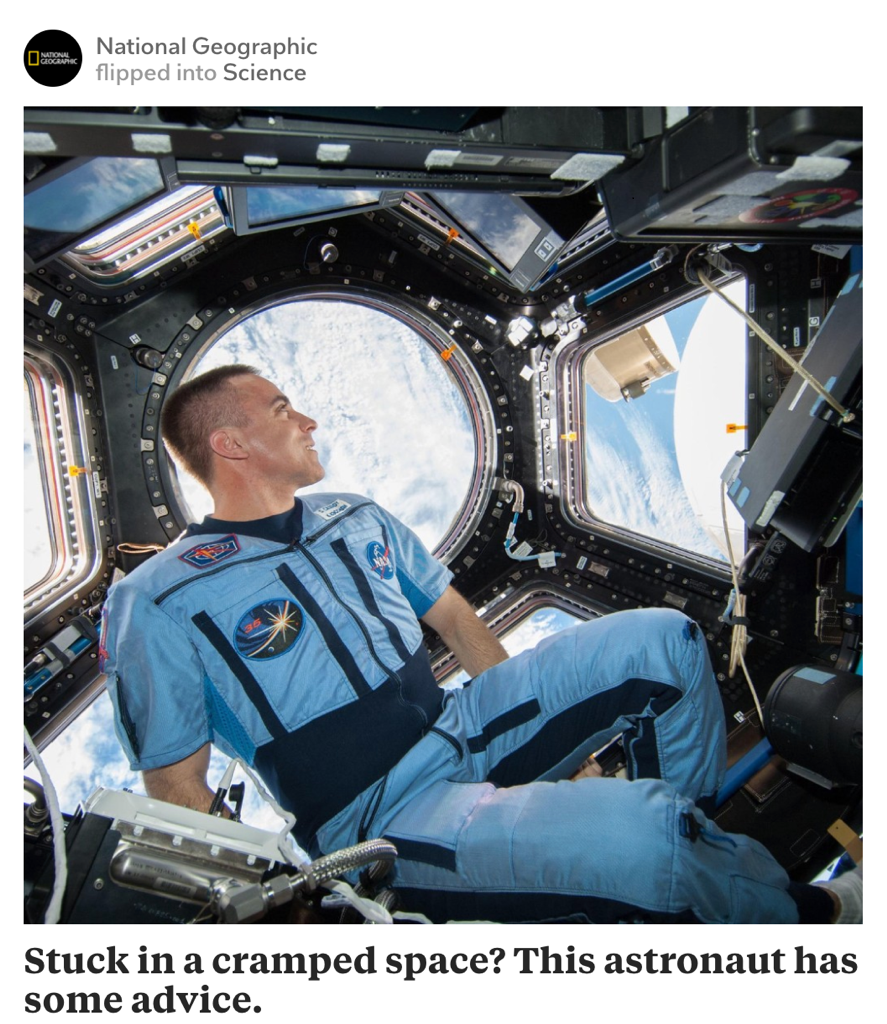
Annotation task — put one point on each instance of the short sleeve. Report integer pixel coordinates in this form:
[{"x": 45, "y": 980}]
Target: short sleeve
[
  {"x": 422, "y": 578},
  {"x": 155, "y": 679}
]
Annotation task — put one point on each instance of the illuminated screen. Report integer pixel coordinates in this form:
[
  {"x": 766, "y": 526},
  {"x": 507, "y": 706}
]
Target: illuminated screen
[
  {"x": 495, "y": 221},
  {"x": 271, "y": 205},
  {"x": 69, "y": 206}
]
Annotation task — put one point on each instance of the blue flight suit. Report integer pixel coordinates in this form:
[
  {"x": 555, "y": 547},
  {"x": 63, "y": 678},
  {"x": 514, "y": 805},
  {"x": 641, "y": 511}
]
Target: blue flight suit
[{"x": 293, "y": 643}]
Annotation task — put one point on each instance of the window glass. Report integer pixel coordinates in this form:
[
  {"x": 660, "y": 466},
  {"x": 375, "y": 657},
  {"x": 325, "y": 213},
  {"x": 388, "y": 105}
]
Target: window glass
[
  {"x": 281, "y": 203},
  {"x": 392, "y": 422},
  {"x": 496, "y": 221},
  {"x": 86, "y": 196},
  {"x": 653, "y": 464},
  {"x": 38, "y": 549}
]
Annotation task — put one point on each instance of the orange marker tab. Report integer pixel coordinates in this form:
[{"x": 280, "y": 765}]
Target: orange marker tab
[
  {"x": 448, "y": 352},
  {"x": 733, "y": 428},
  {"x": 452, "y": 235},
  {"x": 78, "y": 470},
  {"x": 194, "y": 228},
  {"x": 572, "y": 436}
]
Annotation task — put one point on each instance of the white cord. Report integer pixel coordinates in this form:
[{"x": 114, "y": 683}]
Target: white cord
[
  {"x": 739, "y": 637},
  {"x": 54, "y": 909},
  {"x": 283, "y": 844},
  {"x": 845, "y": 414}
]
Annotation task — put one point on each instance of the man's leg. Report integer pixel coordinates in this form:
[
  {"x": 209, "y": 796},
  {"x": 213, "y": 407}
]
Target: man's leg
[
  {"x": 645, "y": 674},
  {"x": 487, "y": 842},
  {"x": 598, "y": 850}
]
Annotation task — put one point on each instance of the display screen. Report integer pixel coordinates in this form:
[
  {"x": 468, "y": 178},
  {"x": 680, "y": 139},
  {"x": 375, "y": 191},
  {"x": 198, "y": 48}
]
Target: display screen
[
  {"x": 497, "y": 221},
  {"x": 266, "y": 205},
  {"x": 88, "y": 195}
]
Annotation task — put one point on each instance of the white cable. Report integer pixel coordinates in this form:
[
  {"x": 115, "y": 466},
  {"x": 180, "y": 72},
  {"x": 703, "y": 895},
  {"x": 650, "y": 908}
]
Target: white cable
[
  {"x": 739, "y": 637},
  {"x": 845, "y": 414},
  {"x": 54, "y": 909},
  {"x": 289, "y": 819},
  {"x": 371, "y": 910}
]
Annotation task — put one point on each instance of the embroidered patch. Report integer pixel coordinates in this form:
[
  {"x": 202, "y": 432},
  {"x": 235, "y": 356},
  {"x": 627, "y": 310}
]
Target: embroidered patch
[
  {"x": 380, "y": 563},
  {"x": 333, "y": 509},
  {"x": 211, "y": 552},
  {"x": 268, "y": 630}
]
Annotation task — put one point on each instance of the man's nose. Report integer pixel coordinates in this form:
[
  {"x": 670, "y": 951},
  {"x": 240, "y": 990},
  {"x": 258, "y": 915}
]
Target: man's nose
[{"x": 306, "y": 423}]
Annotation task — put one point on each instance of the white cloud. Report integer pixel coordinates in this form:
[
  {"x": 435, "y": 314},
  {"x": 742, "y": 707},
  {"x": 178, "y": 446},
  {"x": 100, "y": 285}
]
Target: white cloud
[{"x": 633, "y": 481}]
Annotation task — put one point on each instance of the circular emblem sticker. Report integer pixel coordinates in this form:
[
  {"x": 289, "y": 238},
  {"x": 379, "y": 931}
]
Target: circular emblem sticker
[
  {"x": 799, "y": 205},
  {"x": 53, "y": 58},
  {"x": 269, "y": 629},
  {"x": 380, "y": 563}
]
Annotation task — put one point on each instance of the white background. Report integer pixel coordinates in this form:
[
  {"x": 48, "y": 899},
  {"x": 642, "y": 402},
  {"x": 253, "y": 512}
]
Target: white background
[{"x": 399, "y": 54}]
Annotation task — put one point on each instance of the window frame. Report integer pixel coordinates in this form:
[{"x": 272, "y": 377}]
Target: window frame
[
  {"x": 70, "y": 501},
  {"x": 149, "y": 244},
  {"x": 568, "y": 370}
]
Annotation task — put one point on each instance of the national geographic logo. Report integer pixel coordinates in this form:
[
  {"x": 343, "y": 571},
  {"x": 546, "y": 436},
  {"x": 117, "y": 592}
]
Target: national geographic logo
[{"x": 53, "y": 58}]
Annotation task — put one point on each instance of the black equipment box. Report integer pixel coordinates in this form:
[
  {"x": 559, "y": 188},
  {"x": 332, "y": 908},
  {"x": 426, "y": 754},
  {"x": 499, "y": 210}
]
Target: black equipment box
[
  {"x": 744, "y": 174},
  {"x": 803, "y": 475}
]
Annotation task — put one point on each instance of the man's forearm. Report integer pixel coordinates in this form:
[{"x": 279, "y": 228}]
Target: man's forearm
[
  {"x": 476, "y": 647},
  {"x": 187, "y": 793},
  {"x": 464, "y": 633},
  {"x": 183, "y": 782}
]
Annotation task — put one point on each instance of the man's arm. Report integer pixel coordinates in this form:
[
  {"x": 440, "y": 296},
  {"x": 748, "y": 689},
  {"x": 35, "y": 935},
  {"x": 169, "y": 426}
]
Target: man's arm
[
  {"x": 183, "y": 782},
  {"x": 463, "y": 632}
]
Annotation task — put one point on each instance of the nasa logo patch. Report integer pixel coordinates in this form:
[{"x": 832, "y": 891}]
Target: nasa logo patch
[
  {"x": 380, "y": 563},
  {"x": 268, "y": 630},
  {"x": 202, "y": 555}
]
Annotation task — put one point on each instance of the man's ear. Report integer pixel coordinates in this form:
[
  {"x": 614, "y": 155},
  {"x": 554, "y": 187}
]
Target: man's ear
[{"x": 226, "y": 443}]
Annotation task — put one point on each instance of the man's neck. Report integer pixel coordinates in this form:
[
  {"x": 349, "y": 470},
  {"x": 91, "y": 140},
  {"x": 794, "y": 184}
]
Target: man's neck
[{"x": 247, "y": 503}]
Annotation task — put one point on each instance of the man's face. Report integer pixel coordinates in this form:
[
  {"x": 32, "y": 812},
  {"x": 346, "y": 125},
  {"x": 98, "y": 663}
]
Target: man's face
[{"x": 279, "y": 440}]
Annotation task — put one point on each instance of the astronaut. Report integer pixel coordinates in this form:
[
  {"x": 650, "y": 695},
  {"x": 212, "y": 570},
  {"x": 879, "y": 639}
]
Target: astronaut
[{"x": 286, "y": 631}]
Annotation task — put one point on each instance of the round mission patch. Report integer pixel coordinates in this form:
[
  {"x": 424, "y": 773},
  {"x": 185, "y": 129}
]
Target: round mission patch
[{"x": 268, "y": 630}]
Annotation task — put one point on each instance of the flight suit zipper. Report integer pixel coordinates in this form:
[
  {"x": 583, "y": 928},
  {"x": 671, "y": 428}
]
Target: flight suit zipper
[{"x": 391, "y": 673}]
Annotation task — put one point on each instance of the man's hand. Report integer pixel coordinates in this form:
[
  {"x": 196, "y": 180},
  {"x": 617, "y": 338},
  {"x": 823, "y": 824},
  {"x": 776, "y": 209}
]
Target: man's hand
[
  {"x": 463, "y": 632},
  {"x": 182, "y": 783}
]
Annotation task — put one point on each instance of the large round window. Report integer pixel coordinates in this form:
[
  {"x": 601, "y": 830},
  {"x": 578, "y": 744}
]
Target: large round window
[{"x": 396, "y": 421}]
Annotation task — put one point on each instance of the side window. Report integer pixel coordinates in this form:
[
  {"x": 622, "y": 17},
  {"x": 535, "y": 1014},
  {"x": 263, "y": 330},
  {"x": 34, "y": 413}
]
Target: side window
[
  {"x": 175, "y": 227},
  {"x": 61, "y": 548},
  {"x": 664, "y": 411},
  {"x": 38, "y": 558}
]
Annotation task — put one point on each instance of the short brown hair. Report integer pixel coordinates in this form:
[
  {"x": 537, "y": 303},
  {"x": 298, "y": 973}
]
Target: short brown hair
[{"x": 197, "y": 408}]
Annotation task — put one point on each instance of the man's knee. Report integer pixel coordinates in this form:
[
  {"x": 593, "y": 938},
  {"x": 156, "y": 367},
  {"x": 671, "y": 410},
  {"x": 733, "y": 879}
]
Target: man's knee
[{"x": 657, "y": 632}]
